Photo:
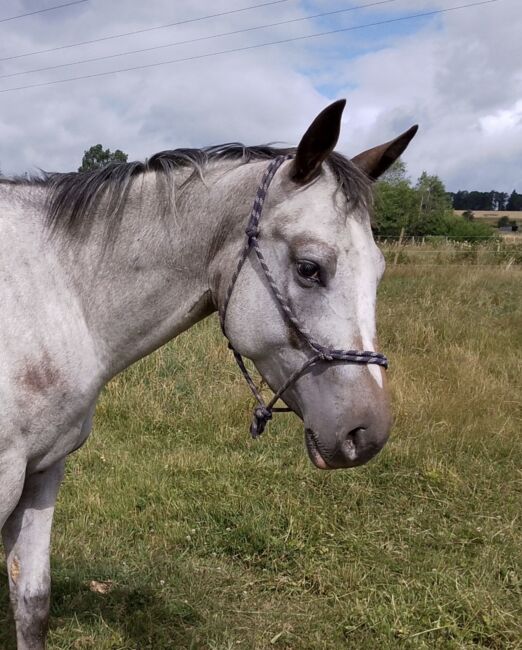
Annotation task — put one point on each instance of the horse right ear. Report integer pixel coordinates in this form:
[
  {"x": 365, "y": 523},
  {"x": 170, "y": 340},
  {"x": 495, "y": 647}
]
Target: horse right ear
[{"x": 376, "y": 161}]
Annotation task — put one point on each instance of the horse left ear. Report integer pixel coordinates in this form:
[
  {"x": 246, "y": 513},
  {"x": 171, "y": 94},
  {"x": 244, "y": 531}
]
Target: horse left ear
[
  {"x": 317, "y": 143},
  {"x": 376, "y": 161}
]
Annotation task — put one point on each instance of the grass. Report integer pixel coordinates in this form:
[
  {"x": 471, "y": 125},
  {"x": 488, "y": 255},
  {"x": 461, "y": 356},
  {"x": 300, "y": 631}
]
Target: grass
[
  {"x": 206, "y": 539},
  {"x": 436, "y": 251}
]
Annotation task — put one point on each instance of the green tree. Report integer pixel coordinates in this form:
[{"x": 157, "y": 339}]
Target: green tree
[
  {"x": 434, "y": 207},
  {"x": 97, "y": 157},
  {"x": 395, "y": 173},
  {"x": 395, "y": 207},
  {"x": 503, "y": 198},
  {"x": 514, "y": 201},
  {"x": 423, "y": 210},
  {"x": 396, "y": 201}
]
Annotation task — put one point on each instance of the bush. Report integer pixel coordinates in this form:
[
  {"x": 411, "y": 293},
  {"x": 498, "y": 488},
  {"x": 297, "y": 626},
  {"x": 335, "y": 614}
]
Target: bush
[{"x": 458, "y": 228}]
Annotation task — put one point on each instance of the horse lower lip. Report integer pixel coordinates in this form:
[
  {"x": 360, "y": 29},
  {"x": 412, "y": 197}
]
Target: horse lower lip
[{"x": 313, "y": 451}]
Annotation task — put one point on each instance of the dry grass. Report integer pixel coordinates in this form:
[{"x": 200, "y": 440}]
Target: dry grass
[
  {"x": 439, "y": 251},
  {"x": 492, "y": 216},
  {"x": 210, "y": 540}
]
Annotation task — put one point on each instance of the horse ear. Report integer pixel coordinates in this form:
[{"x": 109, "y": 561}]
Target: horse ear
[
  {"x": 317, "y": 143},
  {"x": 376, "y": 161}
]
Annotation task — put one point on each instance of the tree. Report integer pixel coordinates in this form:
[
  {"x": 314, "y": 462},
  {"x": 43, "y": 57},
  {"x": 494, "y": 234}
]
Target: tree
[
  {"x": 396, "y": 173},
  {"x": 396, "y": 201},
  {"x": 498, "y": 201},
  {"x": 503, "y": 221},
  {"x": 97, "y": 157},
  {"x": 514, "y": 202},
  {"x": 461, "y": 200},
  {"x": 434, "y": 206},
  {"x": 395, "y": 207},
  {"x": 422, "y": 210}
]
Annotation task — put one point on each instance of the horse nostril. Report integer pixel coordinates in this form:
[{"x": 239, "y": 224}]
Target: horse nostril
[{"x": 352, "y": 442}]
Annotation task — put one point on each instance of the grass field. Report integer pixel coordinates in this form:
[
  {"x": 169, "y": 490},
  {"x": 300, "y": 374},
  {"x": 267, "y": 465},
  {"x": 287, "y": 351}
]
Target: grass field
[
  {"x": 436, "y": 251},
  {"x": 203, "y": 538},
  {"x": 492, "y": 216}
]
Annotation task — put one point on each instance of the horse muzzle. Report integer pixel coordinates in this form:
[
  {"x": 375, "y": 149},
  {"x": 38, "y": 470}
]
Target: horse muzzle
[{"x": 351, "y": 448}]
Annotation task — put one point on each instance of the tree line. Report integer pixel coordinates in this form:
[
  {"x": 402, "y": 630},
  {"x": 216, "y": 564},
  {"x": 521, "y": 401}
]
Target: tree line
[
  {"x": 421, "y": 209},
  {"x": 497, "y": 201}
]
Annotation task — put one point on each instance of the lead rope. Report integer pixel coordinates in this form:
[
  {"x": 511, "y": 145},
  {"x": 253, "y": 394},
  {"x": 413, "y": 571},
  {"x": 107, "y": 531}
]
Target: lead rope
[{"x": 263, "y": 411}]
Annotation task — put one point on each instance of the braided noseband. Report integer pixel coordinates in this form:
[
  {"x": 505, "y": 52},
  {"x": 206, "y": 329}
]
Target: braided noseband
[{"x": 263, "y": 412}]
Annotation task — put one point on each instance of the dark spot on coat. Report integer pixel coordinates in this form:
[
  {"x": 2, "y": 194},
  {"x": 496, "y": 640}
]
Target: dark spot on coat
[{"x": 38, "y": 377}]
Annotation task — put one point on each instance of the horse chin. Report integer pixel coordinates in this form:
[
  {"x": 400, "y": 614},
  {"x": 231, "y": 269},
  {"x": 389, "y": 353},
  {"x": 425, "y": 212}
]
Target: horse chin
[{"x": 313, "y": 451}]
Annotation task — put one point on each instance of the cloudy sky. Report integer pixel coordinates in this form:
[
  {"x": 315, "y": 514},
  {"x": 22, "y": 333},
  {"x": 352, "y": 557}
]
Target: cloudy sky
[{"x": 458, "y": 74}]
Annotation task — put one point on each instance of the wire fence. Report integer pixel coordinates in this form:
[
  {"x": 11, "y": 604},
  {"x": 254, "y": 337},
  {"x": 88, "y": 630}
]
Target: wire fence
[{"x": 503, "y": 252}]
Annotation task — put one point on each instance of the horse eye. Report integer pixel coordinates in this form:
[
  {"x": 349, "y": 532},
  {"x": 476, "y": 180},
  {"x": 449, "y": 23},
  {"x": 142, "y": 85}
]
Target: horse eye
[{"x": 308, "y": 270}]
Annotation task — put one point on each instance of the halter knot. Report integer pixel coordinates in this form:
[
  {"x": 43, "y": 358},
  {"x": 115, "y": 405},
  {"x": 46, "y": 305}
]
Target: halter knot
[
  {"x": 252, "y": 231},
  {"x": 324, "y": 356},
  {"x": 259, "y": 420}
]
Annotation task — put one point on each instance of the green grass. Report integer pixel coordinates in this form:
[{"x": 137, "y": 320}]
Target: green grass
[{"x": 212, "y": 540}]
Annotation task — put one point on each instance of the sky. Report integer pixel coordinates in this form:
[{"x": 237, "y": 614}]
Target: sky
[{"x": 457, "y": 74}]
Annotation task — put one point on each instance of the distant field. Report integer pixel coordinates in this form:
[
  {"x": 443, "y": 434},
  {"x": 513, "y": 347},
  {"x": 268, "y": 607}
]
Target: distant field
[
  {"x": 207, "y": 540},
  {"x": 492, "y": 216}
]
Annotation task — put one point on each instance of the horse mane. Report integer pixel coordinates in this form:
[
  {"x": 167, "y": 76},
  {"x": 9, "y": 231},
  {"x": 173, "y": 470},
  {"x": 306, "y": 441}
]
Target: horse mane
[{"x": 73, "y": 195}]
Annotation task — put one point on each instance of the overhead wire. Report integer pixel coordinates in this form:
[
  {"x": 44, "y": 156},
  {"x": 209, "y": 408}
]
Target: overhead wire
[
  {"x": 144, "y": 30},
  {"x": 252, "y": 47},
  {"x": 42, "y": 11},
  {"x": 195, "y": 40}
]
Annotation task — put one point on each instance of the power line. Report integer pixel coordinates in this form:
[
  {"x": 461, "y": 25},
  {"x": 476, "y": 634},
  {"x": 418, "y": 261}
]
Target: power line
[
  {"x": 142, "y": 31},
  {"x": 41, "y": 11},
  {"x": 251, "y": 47},
  {"x": 194, "y": 40}
]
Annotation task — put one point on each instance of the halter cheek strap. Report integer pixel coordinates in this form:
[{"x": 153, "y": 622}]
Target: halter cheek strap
[{"x": 263, "y": 411}]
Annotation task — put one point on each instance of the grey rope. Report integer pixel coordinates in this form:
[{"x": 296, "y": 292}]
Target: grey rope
[{"x": 263, "y": 411}]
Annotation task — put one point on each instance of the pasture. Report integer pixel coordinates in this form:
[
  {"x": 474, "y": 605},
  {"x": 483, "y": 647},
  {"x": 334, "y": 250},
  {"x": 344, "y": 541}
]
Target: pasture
[
  {"x": 492, "y": 216},
  {"x": 175, "y": 530},
  {"x": 503, "y": 251}
]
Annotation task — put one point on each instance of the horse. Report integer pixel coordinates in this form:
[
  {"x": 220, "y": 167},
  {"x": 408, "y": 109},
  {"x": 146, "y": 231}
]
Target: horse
[{"x": 100, "y": 268}]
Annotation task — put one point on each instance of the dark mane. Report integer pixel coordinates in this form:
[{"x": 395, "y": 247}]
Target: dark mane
[{"x": 73, "y": 195}]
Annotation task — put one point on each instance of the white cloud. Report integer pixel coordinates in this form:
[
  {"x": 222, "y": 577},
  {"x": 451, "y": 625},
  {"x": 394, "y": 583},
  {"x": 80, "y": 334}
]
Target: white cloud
[
  {"x": 459, "y": 76},
  {"x": 502, "y": 121},
  {"x": 453, "y": 78}
]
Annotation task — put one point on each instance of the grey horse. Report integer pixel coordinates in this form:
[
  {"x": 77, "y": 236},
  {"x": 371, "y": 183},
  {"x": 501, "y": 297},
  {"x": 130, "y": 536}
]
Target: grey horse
[{"x": 98, "y": 269}]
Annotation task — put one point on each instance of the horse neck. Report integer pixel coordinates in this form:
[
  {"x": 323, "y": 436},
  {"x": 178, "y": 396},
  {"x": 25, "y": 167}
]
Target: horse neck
[{"x": 152, "y": 282}]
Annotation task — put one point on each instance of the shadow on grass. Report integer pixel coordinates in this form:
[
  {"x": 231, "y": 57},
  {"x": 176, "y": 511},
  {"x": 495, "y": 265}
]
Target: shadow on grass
[{"x": 136, "y": 614}]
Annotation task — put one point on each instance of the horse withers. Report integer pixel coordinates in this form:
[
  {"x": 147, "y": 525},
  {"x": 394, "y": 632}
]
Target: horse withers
[{"x": 98, "y": 269}]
